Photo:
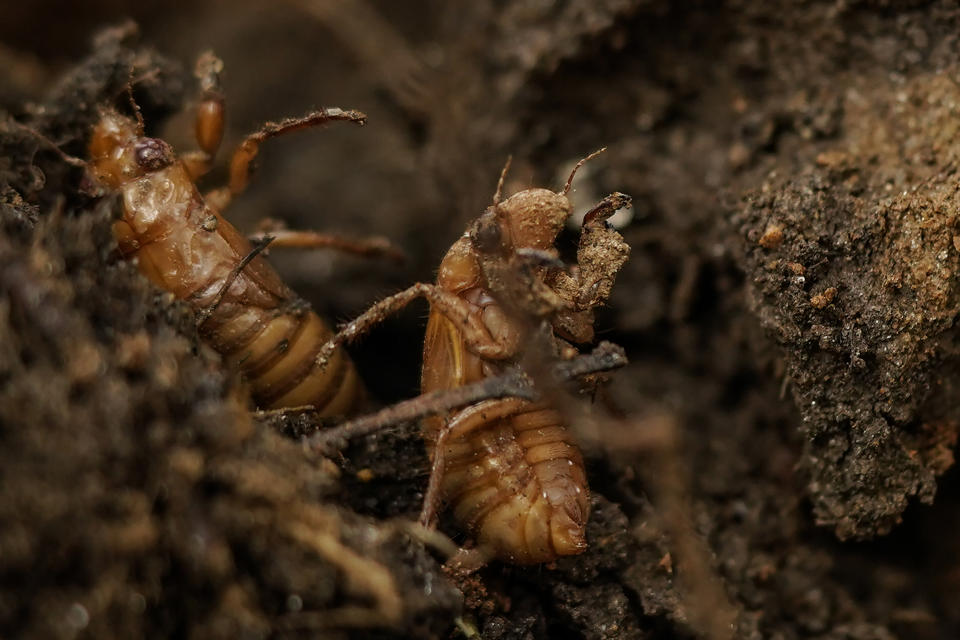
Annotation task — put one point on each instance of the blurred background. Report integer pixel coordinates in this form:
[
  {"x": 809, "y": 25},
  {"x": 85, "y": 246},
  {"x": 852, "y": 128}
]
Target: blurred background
[{"x": 765, "y": 145}]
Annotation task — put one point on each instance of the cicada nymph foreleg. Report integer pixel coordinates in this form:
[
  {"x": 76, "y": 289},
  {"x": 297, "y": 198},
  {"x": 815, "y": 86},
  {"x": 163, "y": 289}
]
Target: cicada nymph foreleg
[
  {"x": 209, "y": 119},
  {"x": 601, "y": 253},
  {"x": 209, "y": 132},
  {"x": 458, "y": 311}
]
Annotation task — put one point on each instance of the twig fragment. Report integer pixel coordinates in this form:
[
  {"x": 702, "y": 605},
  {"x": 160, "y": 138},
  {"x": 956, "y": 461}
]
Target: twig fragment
[{"x": 514, "y": 384}]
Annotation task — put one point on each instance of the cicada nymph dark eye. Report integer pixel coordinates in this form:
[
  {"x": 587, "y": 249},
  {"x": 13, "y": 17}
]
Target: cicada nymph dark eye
[
  {"x": 486, "y": 235},
  {"x": 153, "y": 154}
]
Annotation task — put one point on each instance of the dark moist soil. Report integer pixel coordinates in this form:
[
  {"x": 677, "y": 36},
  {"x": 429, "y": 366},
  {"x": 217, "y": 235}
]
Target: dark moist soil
[{"x": 788, "y": 310}]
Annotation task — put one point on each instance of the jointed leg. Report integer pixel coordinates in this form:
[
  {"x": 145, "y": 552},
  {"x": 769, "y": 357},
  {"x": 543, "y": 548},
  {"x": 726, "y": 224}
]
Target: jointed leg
[
  {"x": 248, "y": 150},
  {"x": 209, "y": 132},
  {"x": 604, "y": 209},
  {"x": 210, "y": 116},
  {"x": 602, "y": 252},
  {"x": 467, "y": 420},
  {"x": 460, "y": 312},
  {"x": 371, "y": 247}
]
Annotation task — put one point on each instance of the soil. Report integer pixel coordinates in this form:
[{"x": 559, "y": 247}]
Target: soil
[{"x": 779, "y": 463}]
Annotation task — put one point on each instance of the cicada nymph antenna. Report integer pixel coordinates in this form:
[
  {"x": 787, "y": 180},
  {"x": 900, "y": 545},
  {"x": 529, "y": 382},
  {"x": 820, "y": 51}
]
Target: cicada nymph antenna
[
  {"x": 141, "y": 127},
  {"x": 583, "y": 161},
  {"x": 503, "y": 176}
]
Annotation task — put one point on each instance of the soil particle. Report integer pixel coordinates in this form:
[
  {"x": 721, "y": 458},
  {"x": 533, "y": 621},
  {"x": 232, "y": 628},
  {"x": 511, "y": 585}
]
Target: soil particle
[
  {"x": 868, "y": 326},
  {"x": 789, "y": 304},
  {"x": 136, "y": 492}
]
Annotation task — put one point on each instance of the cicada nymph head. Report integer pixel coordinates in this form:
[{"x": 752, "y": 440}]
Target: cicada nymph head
[
  {"x": 119, "y": 152},
  {"x": 532, "y": 219}
]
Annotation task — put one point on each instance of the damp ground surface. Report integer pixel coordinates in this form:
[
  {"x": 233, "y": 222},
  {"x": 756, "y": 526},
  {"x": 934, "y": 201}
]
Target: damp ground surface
[{"x": 779, "y": 463}]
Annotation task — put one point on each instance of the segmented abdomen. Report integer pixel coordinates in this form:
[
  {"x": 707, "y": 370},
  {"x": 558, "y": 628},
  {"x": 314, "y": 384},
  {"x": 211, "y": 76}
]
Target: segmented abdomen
[
  {"x": 515, "y": 481},
  {"x": 259, "y": 325},
  {"x": 276, "y": 351}
]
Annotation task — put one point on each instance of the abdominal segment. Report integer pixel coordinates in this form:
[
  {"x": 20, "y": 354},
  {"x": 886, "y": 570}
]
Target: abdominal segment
[
  {"x": 277, "y": 355},
  {"x": 257, "y": 323},
  {"x": 519, "y": 486}
]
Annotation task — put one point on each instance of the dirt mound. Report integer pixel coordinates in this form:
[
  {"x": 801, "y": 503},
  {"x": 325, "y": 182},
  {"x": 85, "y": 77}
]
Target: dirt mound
[{"x": 789, "y": 311}]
